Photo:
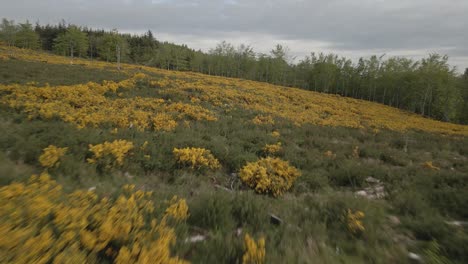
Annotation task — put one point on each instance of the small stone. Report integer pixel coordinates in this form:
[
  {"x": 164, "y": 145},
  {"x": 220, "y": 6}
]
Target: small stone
[
  {"x": 394, "y": 220},
  {"x": 92, "y": 189},
  {"x": 414, "y": 256},
  {"x": 275, "y": 219},
  {"x": 372, "y": 180},
  {"x": 195, "y": 238},
  {"x": 379, "y": 189},
  {"x": 457, "y": 223},
  {"x": 361, "y": 193}
]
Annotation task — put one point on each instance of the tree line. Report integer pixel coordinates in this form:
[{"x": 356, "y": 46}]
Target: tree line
[{"x": 429, "y": 86}]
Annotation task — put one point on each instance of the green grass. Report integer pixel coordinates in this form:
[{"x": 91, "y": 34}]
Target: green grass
[{"x": 313, "y": 227}]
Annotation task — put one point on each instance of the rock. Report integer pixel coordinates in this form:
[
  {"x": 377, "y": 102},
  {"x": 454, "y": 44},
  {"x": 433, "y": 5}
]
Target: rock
[
  {"x": 238, "y": 231},
  {"x": 372, "y": 180},
  {"x": 457, "y": 223},
  {"x": 414, "y": 257},
  {"x": 374, "y": 192},
  {"x": 394, "y": 220},
  {"x": 275, "y": 219},
  {"x": 379, "y": 189},
  {"x": 361, "y": 193},
  {"x": 222, "y": 188},
  {"x": 195, "y": 238}
]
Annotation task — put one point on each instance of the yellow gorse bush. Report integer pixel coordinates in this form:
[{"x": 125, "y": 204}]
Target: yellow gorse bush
[
  {"x": 87, "y": 105},
  {"x": 356, "y": 152},
  {"x": 354, "y": 221},
  {"x": 298, "y": 106},
  {"x": 254, "y": 251},
  {"x": 115, "y": 150},
  {"x": 164, "y": 122},
  {"x": 196, "y": 158},
  {"x": 51, "y": 156},
  {"x": 272, "y": 148},
  {"x": 263, "y": 120},
  {"x": 430, "y": 165},
  {"x": 275, "y": 134},
  {"x": 42, "y": 224},
  {"x": 178, "y": 209},
  {"x": 269, "y": 175},
  {"x": 329, "y": 154}
]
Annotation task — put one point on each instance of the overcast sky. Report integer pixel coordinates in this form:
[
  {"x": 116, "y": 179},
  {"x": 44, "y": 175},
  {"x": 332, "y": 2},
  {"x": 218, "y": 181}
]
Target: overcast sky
[{"x": 351, "y": 28}]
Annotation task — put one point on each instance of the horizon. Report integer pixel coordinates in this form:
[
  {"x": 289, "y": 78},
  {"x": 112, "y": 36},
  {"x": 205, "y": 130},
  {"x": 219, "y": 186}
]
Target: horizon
[{"x": 412, "y": 30}]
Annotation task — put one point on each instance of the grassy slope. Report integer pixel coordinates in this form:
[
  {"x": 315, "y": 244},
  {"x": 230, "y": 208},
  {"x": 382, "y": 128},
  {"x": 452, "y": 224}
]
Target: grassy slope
[{"x": 393, "y": 145}]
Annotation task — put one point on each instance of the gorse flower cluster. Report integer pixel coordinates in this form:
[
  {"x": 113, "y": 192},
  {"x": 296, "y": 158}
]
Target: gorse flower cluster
[
  {"x": 196, "y": 158},
  {"x": 87, "y": 105},
  {"x": 272, "y": 148},
  {"x": 111, "y": 153},
  {"x": 430, "y": 165},
  {"x": 254, "y": 251},
  {"x": 51, "y": 156},
  {"x": 164, "y": 122},
  {"x": 269, "y": 175},
  {"x": 178, "y": 209},
  {"x": 354, "y": 222},
  {"x": 329, "y": 154},
  {"x": 41, "y": 224},
  {"x": 275, "y": 134},
  {"x": 356, "y": 152},
  {"x": 263, "y": 120}
]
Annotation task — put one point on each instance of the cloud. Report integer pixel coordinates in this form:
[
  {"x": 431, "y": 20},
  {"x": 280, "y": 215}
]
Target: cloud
[{"x": 349, "y": 27}]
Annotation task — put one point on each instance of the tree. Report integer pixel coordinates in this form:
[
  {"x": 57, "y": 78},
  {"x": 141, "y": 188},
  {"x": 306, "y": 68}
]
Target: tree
[
  {"x": 112, "y": 47},
  {"x": 279, "y": 64},
  {"x": 8, "y": 31},
  {"x": 463, "y": 109},
  {"x": 72, "y": 42},
  {"x": 26, "y": 37}
]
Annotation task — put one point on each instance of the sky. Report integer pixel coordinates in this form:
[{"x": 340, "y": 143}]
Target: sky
[{"x": 350, "y": 28}]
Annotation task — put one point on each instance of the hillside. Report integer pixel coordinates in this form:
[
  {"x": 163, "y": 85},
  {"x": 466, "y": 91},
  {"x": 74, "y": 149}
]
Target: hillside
[{"x": 339, "y": 180}]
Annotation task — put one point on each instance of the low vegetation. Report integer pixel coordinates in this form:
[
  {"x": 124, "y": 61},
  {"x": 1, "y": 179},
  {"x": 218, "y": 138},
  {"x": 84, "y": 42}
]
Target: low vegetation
[{"x": 141, "y": 164}]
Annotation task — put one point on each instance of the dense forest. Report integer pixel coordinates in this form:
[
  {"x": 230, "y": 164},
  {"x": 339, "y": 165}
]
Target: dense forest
[{"x": 429, "y": 86}]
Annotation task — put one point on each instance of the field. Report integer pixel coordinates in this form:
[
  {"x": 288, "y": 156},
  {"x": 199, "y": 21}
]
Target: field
[{"x": 137, "y": 164}]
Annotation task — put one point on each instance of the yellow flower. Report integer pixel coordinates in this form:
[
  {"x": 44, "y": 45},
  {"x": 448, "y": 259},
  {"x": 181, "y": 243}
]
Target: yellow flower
[
  {"x": 269, "y": 175},
  {"x": 272, "y": 148},
  {"x": 117, "y": 150},
  {"x": 356, "y": 152},
  {"x": 196, "y": 158},
  {"x": 263, "y": 120},
  {"x": 254, "y": 251},
  {"x": 164, "y": 122},
  {"x": 354, "y": 222},
  {"x": 178, "y": 209},
  {"x": 51, "y": 156},
  {"x": 329, "y": 154},
  {"x": 56, "y": 227},
  {"x": 429, "y": 165}
]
